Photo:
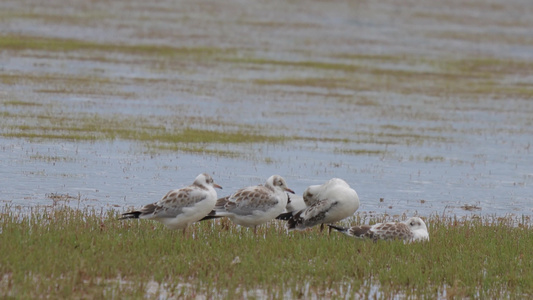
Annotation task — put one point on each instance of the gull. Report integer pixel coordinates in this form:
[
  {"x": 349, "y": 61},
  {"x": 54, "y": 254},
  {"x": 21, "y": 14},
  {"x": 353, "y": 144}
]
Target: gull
[
  {"x": 294, "y": 203},
  {"x": 181, "y": 207},
  {"x": 327, "y": 203},
  {"x": 254, "y": 205},
  {"x": 412, "y": 230}
]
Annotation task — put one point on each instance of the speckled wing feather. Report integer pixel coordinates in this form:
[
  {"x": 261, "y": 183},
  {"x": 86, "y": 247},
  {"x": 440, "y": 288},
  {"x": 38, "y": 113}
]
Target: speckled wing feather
[
  {"x": 221, "y": 202},
  {"x": 390, "y": 231},
  {"x": 247, "y": 200},
  {"x": 173, "y": 203},
  {"x": 362, "y": 231}
]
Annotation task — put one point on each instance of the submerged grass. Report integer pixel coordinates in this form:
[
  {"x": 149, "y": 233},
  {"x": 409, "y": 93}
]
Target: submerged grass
[
  {"x": 65, "y": 252},
  {"x": 35, "y": 43},
  {"x": 93, "y": 127},
  {"x": 361, "y": 151},
  {"x": 204, "y": 135},
  {"x": 405, "y": 74}
]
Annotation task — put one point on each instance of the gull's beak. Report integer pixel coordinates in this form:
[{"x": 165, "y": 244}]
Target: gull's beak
[
  {"x": 290, "y": 191},
  {"x": 217, "y": 186}
]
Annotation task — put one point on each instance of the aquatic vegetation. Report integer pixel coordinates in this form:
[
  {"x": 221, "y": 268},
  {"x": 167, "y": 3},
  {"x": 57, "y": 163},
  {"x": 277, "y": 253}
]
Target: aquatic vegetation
[
  {"x": 91, "y": 127},
  {"x": 361, "y": 151},
  {"x": 23, "y": 42}
]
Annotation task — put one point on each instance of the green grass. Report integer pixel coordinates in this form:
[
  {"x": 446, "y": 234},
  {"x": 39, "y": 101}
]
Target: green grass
[{"x": 70, "y": 253}]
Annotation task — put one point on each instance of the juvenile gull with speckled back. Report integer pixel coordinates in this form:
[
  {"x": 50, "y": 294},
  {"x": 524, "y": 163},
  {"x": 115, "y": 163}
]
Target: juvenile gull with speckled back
[
  {"x": 181, "y": 207},
  {"x": 254, "y": 205},
  {"x": 412, "y": 230}
]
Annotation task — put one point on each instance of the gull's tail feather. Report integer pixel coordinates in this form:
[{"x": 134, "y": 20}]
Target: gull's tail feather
[
  {"x": 339, "y": 229},
  {"x": 363, "y": 231},
  {"x": 130, "y": 215},
  {"x": 284, "y": 216},
  {"x": 211, "y": 215},
  {"x": 295, "y": 222},
  {"x": 146, "y": 210}
]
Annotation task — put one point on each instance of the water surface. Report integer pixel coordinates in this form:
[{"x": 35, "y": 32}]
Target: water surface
[{"x": 424, "y": 108}]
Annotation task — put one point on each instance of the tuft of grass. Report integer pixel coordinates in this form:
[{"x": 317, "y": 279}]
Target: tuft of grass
[
  {"x": 49, "y": 158},
  {"x": 89, "y": 253}
]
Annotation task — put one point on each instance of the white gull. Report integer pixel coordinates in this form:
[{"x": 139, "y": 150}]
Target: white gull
[
  {"x": 327, "y": 203},
  {"x": 295, "y": 203}
]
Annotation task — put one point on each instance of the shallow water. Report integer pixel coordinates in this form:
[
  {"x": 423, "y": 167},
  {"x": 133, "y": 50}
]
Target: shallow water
[
  {"x": 426, "y": 141},
  {"x": 115, "y": 173}
]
